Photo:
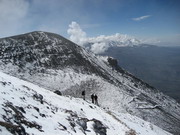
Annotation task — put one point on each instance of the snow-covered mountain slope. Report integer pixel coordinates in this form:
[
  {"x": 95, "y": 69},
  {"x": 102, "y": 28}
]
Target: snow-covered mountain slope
[
  {"x": 29, "y": 109},
  {"x": 55, "y": 63}
]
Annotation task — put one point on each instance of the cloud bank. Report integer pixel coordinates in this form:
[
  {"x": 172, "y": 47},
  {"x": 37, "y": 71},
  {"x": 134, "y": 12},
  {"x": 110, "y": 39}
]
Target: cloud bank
[
  {"x": 99, "y": 48},
  {"x": 77, "y": 35},
  {"x": 100, "y": 43},
  {"x": 141, "y": 18}
]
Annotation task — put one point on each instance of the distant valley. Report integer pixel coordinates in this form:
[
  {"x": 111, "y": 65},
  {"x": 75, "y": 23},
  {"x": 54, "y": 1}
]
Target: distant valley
[{"x": 159, "y": 66}]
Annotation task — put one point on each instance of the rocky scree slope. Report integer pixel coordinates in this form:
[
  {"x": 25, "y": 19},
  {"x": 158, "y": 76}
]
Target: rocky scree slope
[{"x": 56, "y": 63}]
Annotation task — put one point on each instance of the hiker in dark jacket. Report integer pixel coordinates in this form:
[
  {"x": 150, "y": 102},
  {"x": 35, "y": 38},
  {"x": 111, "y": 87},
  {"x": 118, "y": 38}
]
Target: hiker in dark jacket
[
  {"x": 92, "y": 98},
  {"x": 96, "y": 99},
  {"x": 83, "y": 94}
]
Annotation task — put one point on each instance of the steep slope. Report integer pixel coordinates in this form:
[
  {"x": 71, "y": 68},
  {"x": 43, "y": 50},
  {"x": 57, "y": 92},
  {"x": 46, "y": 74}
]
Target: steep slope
[
  {"x": 28, "y": 109},
  {"x": 54, "y": 62}
]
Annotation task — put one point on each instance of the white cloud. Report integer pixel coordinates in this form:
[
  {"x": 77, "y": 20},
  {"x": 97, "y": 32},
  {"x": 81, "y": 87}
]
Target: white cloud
[
  {"x": 100, "y": 43},
  {"x": 11, "y": 14},
  {"x": 141, "y": 18},
  {"x": 77, "y": 35},
  {"x": 99, "y": 47}
]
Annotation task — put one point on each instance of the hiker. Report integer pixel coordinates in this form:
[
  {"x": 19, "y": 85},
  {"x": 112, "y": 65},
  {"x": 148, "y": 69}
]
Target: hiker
[
  {"x": 83, "y": 94},
  {"x": 96, "y": 99},
  {"x": 92, "y": 97}
]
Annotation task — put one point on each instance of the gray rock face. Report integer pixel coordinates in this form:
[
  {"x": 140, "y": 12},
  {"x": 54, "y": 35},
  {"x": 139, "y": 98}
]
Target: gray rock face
[
  {"x": 99, "y": 128},
  {"x": 83, "y": 123}
]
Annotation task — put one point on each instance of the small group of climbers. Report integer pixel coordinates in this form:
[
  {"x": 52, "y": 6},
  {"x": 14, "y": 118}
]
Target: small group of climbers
[{"x": 94, "y": 97}]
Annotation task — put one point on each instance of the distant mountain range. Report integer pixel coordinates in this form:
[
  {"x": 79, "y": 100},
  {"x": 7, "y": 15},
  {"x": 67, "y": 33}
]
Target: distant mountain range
[
  {"x": 115, "y": 40},
  {"x": 55, "y": 63},
  {"x": 102, "y": 43}
]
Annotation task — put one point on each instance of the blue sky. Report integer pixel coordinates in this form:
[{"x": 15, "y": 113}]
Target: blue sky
[{"x": 149, "y": 19}]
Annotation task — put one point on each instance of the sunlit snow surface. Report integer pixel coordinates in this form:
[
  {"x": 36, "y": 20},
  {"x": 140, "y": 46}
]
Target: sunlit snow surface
[{"x": 55, "y": 114}]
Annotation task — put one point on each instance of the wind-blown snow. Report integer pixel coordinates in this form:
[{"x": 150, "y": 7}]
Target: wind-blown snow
[{"x": 30, "y": 104}]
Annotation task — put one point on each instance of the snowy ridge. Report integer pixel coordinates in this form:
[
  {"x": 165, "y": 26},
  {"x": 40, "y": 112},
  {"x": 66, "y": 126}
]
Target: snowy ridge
[
  {"x": 29, "y": 109},
  {"x": 55, "y": 63}
]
